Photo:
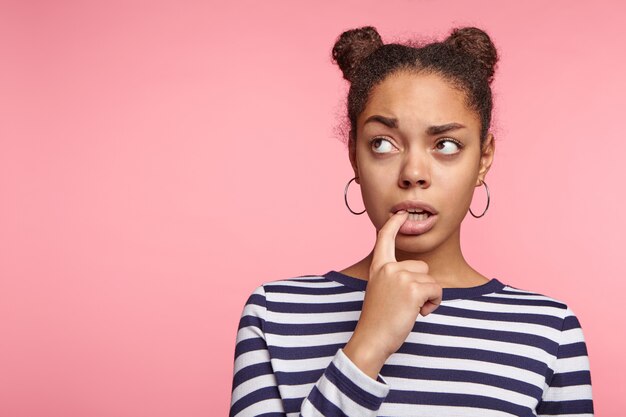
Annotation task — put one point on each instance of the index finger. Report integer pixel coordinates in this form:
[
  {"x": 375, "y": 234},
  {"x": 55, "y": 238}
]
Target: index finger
[{"x": 385, "y": 247}]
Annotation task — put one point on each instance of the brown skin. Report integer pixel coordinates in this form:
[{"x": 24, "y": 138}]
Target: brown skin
[{"x": 406, "y": 273}]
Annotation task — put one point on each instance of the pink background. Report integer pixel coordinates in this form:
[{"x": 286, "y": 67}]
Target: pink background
[{"x": 159, "y": 160}]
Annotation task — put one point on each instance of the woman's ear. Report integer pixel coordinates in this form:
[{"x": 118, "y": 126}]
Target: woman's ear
[
  {"x": 352, "y": 154},
  {"x": 486, "y": 157}
]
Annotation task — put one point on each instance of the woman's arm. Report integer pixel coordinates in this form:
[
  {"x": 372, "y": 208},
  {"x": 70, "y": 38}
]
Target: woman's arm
[
  {"x": 343, "y": 389},
  {"x": 569, "y": 390}
]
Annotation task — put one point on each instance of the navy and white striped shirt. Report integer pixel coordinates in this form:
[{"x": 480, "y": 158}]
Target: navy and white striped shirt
[{"x": 486, "y": 351}]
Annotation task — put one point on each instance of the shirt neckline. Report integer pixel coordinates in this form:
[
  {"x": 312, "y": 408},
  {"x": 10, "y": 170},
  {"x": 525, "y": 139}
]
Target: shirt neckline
[{"x": 493, "y": 285}]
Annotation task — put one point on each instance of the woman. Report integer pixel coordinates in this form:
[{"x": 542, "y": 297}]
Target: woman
[{"x": 411, "y": 329}]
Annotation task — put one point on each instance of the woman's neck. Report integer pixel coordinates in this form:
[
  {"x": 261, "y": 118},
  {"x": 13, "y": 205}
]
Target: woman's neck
[{"x": 446, "y": 265}]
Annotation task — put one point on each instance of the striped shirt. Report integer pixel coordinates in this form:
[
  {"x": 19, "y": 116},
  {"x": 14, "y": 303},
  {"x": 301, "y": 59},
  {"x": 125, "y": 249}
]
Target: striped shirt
[{"x": 486, "y": 351}]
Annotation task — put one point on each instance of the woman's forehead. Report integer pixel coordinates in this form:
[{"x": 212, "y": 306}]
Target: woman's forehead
[{"x": 427, "y": 97}]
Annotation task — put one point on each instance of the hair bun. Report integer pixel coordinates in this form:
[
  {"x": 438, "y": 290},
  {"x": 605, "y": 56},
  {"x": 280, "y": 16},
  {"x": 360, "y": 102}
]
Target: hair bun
[
  {"x": 477, "y": 43},
  {"x": 352, "y": 46}
]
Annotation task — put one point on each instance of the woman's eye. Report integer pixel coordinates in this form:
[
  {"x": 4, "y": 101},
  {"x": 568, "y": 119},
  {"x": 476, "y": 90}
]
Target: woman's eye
[
  {"x": 380, "y": 148},
  {"x": 449, "y": 150}
]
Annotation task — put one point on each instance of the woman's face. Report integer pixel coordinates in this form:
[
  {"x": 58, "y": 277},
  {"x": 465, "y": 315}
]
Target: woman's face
[{"x": 415, "y": 161}]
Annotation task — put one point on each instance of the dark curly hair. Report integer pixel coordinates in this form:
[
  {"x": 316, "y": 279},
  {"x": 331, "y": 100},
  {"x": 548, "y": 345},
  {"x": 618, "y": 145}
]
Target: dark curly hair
[{"x": 466, "y": 58}]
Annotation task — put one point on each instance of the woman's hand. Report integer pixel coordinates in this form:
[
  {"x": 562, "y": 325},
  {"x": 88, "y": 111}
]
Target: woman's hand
[{"x": 396, "y": 293}]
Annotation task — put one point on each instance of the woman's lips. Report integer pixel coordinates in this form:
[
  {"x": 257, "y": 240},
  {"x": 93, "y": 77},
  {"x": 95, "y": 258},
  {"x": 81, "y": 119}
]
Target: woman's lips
[{"x": 417, "y": 227}]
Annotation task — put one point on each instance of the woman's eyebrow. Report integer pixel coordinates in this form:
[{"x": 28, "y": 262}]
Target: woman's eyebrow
[
  {"x": 392, "y": 123},
  {"x": 435, "y": 130}
]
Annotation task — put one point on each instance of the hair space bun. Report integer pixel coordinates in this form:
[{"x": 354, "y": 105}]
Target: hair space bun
[
  {"x": 476, "y": 43},
  {"x": 352, "y": 46}
]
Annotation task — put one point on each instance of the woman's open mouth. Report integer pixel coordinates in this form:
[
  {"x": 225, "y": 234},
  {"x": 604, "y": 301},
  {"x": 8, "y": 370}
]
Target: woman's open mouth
[
  {"x": 418, "y": 223},
  {"x": 422, "y": 215}
]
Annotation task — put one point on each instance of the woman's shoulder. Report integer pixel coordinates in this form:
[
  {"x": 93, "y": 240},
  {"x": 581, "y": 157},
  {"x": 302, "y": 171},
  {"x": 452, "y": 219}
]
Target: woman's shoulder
[
  {"x": 297, "y": 283},
  {"x": 280, "y": 294},
  {"x": 524, "y": 293},
  {"x": 298, "y": 292},
  {"x": 542, "y": 302}
]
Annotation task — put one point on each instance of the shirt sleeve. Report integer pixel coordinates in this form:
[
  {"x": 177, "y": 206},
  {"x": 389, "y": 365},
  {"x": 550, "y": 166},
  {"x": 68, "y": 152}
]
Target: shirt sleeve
[
  {"x": 343, "y": 389},
  {"x": 568, "y": 391}
]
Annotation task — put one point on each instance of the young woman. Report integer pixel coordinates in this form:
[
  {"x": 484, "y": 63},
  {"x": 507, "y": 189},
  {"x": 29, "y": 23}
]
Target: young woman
[{"x": 411, "y": 329}]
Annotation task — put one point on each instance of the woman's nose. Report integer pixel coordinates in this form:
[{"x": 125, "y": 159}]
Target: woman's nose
[{"x": 415, "y": 170}]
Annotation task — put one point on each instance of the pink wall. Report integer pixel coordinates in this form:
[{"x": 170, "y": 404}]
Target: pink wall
[{"x": 158, "y": 160}]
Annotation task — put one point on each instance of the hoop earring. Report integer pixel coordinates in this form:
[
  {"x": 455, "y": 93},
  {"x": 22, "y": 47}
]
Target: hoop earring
[
  {"x": 345, "y": 197},
  {"x": 488, "y": 198}
]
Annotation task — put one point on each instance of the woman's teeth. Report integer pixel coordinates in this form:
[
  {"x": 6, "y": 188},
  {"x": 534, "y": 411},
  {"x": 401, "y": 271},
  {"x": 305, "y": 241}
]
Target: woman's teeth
[{"x": 420, "y": 216}]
